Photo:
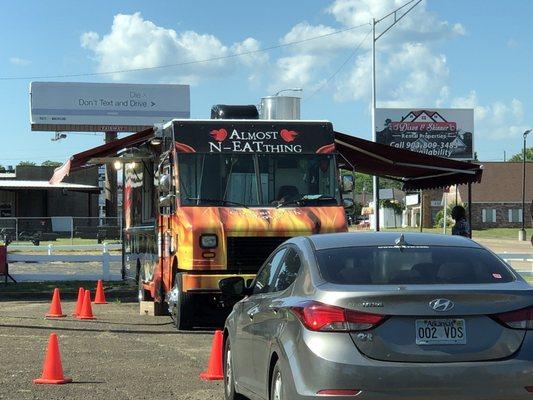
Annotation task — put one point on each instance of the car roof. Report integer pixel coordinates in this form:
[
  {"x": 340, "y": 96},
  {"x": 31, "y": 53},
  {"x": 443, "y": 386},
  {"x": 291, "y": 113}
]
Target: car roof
[{"x": 351, "y": 239}]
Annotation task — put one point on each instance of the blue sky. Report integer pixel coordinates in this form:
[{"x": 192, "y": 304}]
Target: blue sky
[{"x": 475, "y": 53}]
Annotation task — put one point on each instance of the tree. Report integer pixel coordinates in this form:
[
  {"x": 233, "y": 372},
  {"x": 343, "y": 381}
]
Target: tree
[
  {"x": 518, "y": 156},
  {"x": 365, "y": 181},
  {"x": 26, "y": 163},
  {"x": 50, "y": 163},
  {"x": 2, "y": 169}
]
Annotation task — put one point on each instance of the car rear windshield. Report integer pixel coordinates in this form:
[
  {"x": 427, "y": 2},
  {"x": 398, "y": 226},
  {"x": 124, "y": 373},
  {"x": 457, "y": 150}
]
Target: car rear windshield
[{"x": 411, "y": 265}]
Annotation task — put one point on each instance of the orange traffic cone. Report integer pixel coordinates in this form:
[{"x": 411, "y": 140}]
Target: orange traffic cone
[
  {"x": 79, "y": 302},
  {"x": 52, "y": 368},
  {"x": 214, "y": 370},
  {"x": 86, "y": 309},
  {"x": 99, "y": 297},
  {"x": 55, "y": 308}
]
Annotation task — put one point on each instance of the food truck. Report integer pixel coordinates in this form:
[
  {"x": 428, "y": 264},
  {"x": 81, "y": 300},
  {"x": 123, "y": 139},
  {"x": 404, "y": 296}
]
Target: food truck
[{"x": 209, "y": 199}]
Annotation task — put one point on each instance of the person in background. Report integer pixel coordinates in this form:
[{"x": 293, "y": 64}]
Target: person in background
[{"x": 461, "y": 227}]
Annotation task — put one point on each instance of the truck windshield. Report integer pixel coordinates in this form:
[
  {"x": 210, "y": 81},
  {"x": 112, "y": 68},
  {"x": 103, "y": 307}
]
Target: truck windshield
[{"x": 259, "y": 180}]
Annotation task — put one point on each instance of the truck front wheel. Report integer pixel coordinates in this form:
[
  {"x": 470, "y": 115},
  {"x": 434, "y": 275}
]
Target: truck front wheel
[{"x": 181, "y": 304}]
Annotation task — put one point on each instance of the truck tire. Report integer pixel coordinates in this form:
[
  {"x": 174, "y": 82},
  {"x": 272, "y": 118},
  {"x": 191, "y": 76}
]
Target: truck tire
[{"x": 181, "y": 312}]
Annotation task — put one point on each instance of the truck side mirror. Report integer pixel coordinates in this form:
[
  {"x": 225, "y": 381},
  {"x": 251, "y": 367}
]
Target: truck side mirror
[
  {"x": 347, "y": 203},
  {"x": 166, "y": 200},
  {"x": 165, "y": 183},
  {"x": 347, "y": 183},
  {"x": 166, "y": 204}
]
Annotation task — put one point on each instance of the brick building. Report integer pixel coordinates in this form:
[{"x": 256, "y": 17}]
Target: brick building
[{"x": 496, "y": 201}]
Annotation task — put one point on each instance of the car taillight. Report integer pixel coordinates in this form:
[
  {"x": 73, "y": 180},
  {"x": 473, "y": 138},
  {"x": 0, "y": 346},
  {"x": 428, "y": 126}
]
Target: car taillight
[
  {"x": 519, "y": 319},
  {"x": 322, "y": 317}
]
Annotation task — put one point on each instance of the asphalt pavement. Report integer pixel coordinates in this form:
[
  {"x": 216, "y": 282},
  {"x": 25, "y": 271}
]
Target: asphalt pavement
[{"x": 121, "y": 355}]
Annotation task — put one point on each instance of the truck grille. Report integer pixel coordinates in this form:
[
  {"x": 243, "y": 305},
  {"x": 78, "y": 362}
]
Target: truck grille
[{"x": 249, "y": 253}]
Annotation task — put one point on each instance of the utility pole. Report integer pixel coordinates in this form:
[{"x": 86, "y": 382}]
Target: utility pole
[
  {"x": 375, "y": 179},
  {"x": 375, "y": 22}
]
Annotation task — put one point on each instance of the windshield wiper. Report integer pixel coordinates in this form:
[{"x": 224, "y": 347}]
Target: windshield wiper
[
  {"x": 306, "y": 199},
  {"x": 222, "y": 201}
]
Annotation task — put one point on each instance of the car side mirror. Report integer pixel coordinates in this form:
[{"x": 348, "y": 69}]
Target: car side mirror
[{"x": 233, "y": 286}]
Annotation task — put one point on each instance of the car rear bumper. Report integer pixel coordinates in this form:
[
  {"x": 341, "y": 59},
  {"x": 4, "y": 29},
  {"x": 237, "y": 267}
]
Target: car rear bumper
[{"x": 331, "y": 361}]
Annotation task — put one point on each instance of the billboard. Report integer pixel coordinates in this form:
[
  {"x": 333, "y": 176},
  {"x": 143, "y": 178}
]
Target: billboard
[
  {"x": 445, "y": 132},
  {"x": 120, "y": 107}
]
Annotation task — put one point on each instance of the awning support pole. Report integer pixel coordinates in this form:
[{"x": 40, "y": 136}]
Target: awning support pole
[
  {"x": 421, "y": 211},
  {"x": 470, "y": 207},
  {"x": 110, "y": 186}
]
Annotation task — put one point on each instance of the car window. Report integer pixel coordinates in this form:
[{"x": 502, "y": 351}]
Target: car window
[
  {"x": 288, "y": 271},
  {"x": 392, "y": 265},
  {"x": 266, "y": 276}
]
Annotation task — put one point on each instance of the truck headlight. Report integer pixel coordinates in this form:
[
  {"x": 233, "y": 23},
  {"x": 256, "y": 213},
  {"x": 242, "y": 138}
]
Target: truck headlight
[{"x": 208, "y": 241}]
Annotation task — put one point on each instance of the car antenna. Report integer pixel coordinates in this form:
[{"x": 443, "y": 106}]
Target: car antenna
[{"x": 401, "y": 241}]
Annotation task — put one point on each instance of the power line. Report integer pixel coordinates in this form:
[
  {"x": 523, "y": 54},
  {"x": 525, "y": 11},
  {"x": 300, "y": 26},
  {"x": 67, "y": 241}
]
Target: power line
[
  {"x": 352, "y": 54},
  {"x": 206, "y": 60}
]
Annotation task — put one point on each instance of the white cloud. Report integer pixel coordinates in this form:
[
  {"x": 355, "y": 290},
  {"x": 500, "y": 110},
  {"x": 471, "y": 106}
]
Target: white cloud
[
  {"x": 255, "y": 60},
  {"x": 134, "y": 42},
  {"x": 21, "y": 62},
  {"x": 420, "y": 25},
  {"x": 495, "y": 121},
  {"x": 512, "y": 43},
  {"x": 409, "y": 71}
]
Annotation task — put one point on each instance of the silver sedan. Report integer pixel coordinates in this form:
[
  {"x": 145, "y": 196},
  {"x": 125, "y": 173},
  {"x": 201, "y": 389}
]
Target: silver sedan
[{"x": 380, "y": 316}]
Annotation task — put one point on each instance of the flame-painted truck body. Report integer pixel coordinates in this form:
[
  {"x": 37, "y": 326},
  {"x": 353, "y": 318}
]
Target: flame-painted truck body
[{"x": 213, "y": 198}]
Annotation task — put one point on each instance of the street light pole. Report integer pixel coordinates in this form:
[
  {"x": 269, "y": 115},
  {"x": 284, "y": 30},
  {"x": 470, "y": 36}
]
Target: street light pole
[
  {"x": 375, "y": 179},
  {"x": 522, "y": 233},
  {"x": 397, "y": 18}
]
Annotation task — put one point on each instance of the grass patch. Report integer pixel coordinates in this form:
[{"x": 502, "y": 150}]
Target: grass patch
[{"x": 492, "y": 233}]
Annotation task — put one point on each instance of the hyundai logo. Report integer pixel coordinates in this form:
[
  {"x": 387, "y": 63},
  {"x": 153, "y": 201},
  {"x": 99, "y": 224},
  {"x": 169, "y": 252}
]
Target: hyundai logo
[{"x": 441, "y": 304}]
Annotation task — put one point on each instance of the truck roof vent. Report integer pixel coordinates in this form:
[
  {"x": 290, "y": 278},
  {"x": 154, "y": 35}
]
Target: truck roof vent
[{"x": 224, "y": 111}]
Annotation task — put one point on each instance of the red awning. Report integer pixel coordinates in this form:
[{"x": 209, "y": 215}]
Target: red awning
[
  {"x": 80, "y": 160},
  {"x": 415, "y": 170}
]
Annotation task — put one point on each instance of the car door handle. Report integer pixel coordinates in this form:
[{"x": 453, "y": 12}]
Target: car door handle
[
  {"x": 274, "y": 309},
  {"x": 251, "y": 314}
]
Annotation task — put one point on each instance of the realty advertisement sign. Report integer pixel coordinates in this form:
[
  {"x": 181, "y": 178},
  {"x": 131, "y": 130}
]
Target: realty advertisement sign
[
  {"x": 76, "y": 106},
  {"x": 445, "y": 132}
]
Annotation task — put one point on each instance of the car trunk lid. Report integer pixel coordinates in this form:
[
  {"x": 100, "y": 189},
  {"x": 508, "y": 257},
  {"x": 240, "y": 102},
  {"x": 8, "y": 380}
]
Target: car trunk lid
[{"x": 419, "y": 328}]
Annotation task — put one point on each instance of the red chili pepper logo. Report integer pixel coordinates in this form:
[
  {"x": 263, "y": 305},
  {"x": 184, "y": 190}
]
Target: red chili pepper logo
[
  {"x": 219, "y": 134},
  {"x": 287, "y": 135}
]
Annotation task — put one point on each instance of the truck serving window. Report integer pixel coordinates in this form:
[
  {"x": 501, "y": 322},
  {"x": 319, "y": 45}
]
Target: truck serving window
[{"x": 257, "y": 179}]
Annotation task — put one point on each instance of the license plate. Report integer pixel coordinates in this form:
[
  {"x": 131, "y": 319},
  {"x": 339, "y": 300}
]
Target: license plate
[{"x": 440, "y": 331}]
